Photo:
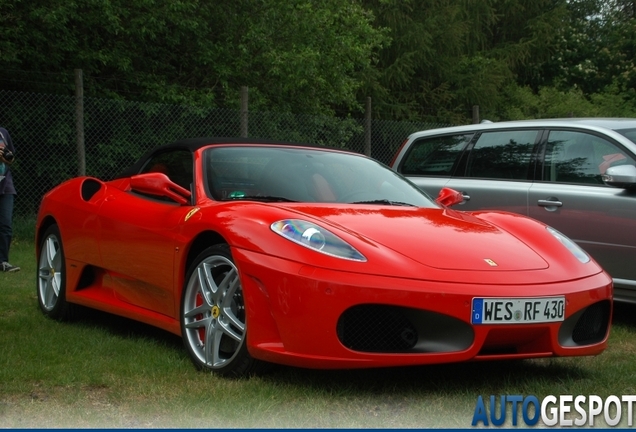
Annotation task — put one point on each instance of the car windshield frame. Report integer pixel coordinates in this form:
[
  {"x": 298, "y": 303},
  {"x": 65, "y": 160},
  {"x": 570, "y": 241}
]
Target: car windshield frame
[
  {"x": 276, "y": 173},
  {"x": 629, "y": 133}
]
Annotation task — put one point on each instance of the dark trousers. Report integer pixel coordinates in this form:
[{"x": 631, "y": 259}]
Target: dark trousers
[{"x": 6, "y": 213}]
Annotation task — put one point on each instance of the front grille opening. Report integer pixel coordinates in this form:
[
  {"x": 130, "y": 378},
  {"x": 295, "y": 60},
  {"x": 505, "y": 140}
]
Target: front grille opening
[
  {"x": 591, "y": 326},
  {"x": 376, "y": 328}
]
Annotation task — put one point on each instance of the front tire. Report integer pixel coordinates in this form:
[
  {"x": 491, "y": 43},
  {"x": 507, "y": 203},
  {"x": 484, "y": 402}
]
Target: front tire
[
  {"x": 51, "y": 284},
  {"x": 213, "y": 317}
]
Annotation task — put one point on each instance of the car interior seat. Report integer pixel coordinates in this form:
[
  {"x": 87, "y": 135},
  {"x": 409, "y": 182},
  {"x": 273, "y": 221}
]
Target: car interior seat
[
  {"x": 295, "y": 181},
  {"x": 283, "y": 178},
  {"x": 320, "y": 189}
]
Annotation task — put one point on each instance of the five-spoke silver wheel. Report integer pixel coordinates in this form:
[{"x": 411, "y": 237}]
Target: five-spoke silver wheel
[
  {"x": 213, "y": 317},
  {"x": 51, "y": 278}
]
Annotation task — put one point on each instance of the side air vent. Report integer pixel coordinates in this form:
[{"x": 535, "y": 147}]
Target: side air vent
[{"x": 89, "y": 188}]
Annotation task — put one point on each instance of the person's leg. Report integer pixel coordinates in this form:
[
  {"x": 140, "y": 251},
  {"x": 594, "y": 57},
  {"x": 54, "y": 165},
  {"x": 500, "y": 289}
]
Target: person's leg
[{"x": 6, "y": 232}]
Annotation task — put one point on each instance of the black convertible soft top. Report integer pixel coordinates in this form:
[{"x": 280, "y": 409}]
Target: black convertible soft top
[{"x": 193, "y": 144}]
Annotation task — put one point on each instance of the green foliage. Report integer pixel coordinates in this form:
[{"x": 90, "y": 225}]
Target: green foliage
[
  {"x": 419, "y": 60},
  {"x": 447, "y": 56},
  {"x": 323, "y": 130},
  {"x": 295, "y": 55},
  {"x": 551, "y": 102},
  {"x": 594, "y": 53}
]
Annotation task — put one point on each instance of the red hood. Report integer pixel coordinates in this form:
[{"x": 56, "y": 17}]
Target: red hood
[{"x": 440, "y": 238}]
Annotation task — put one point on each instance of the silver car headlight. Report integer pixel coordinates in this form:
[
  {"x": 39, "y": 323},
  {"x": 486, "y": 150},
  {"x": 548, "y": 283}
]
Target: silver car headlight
[
  {"x": 317, "y": 238},
  {"x": 576, "y": 250}
]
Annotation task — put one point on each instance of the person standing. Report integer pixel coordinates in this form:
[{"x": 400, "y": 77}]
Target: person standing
[{"x": 7, "y": 194}]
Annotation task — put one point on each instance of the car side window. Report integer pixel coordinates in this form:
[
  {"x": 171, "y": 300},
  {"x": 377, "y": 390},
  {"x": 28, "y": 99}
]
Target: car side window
[
  {"x": 502, "y": 155},
  {"x": 435, "y": 156},
  {"x": 176, "y": 164},
  {"x": 580, "y": 158}
]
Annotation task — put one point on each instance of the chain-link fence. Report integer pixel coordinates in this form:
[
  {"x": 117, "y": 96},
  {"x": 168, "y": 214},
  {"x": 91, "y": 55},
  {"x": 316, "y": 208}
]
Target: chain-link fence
[{"x": 116, "y": 133}]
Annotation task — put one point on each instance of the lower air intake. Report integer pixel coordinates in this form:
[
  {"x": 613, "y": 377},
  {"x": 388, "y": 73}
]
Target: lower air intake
[
  {"x": 587, "y": 326},
  {"x": 376, "y": 328},
  {"x": 591, "y": 326},
  {"x": 396, "y": 329}
]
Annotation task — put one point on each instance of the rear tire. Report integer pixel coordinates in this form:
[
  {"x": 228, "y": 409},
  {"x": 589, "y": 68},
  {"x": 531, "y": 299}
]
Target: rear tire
[
  {"x": 213, "y": 317},
  {"x": 51, "y": 282}
]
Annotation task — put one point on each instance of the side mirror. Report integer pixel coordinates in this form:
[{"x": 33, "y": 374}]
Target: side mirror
[
  {"x": 449, "y": 197},
  {"x": 159, "y": 184},
  {"x": 623, "y": 176}
]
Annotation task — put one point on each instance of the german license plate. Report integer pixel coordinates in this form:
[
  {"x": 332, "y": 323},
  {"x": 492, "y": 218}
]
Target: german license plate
[{"x": 518, "y": 310}]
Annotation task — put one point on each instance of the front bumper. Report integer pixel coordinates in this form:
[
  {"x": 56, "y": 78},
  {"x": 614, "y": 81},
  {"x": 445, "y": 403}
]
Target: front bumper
[{"x": 307, "y": 316}]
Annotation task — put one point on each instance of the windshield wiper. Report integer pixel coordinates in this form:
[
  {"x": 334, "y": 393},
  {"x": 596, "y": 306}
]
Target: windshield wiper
[
  {"x": 264, "y": 198},
  {"x": 385, "y": 201}
]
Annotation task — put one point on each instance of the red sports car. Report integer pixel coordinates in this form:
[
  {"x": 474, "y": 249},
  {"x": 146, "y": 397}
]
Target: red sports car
[{"x": 264, "y": 252}]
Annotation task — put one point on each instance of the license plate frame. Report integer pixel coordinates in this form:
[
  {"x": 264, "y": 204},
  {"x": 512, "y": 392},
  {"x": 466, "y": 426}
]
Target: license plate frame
[{"x": 517, "y": 310}]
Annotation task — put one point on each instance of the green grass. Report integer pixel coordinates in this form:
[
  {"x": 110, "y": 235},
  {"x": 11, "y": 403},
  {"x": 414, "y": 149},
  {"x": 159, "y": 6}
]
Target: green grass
[{"x": 105, "y": 371}]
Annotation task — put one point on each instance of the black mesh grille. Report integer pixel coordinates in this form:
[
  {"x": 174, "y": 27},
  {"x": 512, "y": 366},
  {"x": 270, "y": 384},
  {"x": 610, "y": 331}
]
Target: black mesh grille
[
  {"x": 592, "y": 325},
  {"x": 376, "y": 328}
]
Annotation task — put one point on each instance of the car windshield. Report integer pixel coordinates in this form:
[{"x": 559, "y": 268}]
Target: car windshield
[{"x": 300, "y": 174}]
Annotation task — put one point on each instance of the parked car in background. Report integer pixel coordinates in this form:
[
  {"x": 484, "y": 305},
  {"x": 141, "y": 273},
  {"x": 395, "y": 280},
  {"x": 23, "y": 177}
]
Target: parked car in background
[{"x": 577, "y": 175}]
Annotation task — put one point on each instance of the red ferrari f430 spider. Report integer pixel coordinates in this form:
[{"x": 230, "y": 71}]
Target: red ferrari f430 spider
[{"x": 264, "y": 252}]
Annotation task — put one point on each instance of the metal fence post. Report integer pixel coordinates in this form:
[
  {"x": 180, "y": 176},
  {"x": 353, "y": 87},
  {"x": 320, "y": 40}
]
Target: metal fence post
[
  {"x": 475, "y": 114},
  {"x": 79, "y": 122},
  {"x": 244, "y": 113},
  {"x": 367, "y": 128}
]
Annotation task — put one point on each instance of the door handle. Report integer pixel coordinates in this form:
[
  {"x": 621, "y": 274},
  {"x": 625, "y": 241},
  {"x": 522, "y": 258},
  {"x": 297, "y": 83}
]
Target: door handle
[
  {"x": 550, "y": 202},
  {"x": 465, "y": 196}
]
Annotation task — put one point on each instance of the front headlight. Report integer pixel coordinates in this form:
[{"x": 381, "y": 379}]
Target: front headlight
[
  {"x": 316, "y": 238},
  {"x": 576, "y": 250}
]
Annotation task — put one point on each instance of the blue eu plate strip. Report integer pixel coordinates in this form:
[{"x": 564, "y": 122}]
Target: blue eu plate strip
[{"x": 478, "y": 307}]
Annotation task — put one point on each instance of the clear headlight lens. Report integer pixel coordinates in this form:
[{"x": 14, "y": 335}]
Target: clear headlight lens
[
  {"x": 317, "y": 238},
  {"x": 579, "y": 253}
]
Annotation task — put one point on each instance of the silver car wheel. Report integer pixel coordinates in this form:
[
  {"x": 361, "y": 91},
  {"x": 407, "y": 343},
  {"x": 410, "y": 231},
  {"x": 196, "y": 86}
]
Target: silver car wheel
[
  {"x": 50, "y": 268},
  {"x": 214, "y": 312}
]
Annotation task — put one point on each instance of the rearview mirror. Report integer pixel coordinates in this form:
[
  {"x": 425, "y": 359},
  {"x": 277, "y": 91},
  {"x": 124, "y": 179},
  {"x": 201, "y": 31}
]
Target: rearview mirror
[
  {"x": 159, "y": 184},
  {"x": 449, "y": 197},
  {"x": 623, "y": 176}
]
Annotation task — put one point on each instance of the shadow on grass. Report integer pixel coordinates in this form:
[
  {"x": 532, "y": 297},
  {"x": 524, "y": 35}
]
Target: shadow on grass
[
  {"x": 124, "y": 327},
  {"x": 486, "y": 376}
]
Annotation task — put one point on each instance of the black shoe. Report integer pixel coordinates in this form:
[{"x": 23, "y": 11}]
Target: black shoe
[{"x": 6, "y": 267}]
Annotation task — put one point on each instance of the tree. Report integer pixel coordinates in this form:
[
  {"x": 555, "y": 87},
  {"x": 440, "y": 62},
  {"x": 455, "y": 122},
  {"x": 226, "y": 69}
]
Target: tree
[
  {"x": 594, "y": 57},
  {"x": 295, "y": 55},
  {"x": 448, "y": 55}
]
